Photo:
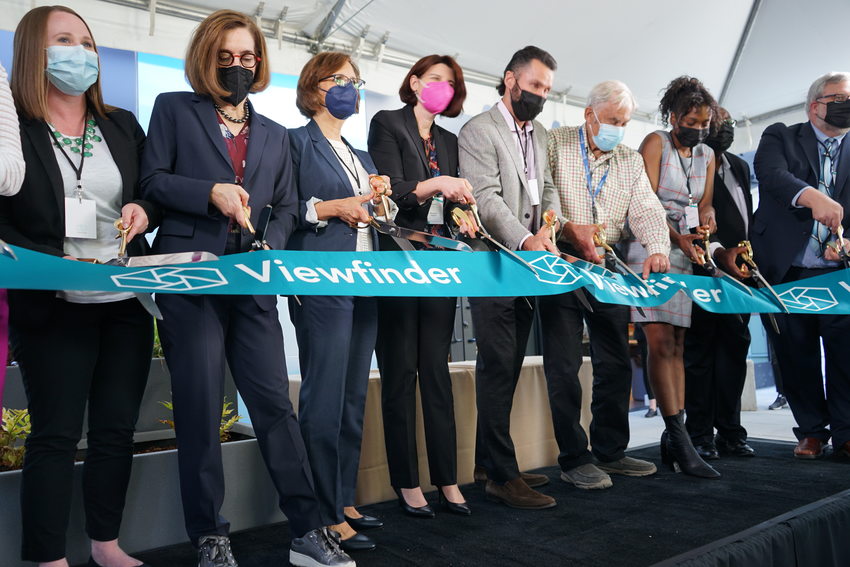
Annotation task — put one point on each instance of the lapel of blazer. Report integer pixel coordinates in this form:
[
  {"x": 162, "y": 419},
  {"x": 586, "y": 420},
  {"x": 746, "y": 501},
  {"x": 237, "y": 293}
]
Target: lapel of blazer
[
  {"x": 809, "y": 144},
  {"x": 509, "y": 141},
  {"x": 206, "y": 114},
  {"x": 540, "y": 158},
  {"x": 727, "y": 207},
  {"x": 739, "y": 170},
  {"x": 448, "y": 165},
  {"x": 40, "y": 137},
  {"x": 321, "y": 144},
  {"x": 117, "y": 145},
  {"x": 256, "y": 145},
  {"x": 843, "y": 168},
  {"x": 413, "y": 131}
]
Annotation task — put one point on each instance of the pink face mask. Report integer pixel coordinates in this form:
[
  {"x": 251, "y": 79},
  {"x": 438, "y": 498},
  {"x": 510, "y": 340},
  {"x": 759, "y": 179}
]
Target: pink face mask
[{"x": 436, "y": 96}]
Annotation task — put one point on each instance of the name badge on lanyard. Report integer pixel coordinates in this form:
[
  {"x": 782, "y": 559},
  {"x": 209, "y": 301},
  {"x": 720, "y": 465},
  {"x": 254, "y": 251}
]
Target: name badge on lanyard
[
  {"x": 692, "y": 215},
  {"x": 594, "y": 193},
  {"x": 80, "y": 218}
]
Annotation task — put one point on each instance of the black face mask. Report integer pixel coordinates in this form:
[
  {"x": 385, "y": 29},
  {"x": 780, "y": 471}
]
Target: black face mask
[
  {"x": 838, "y": 114},
  {"x": 526, "y": 105},
  {"x": 722, "y": 139},
  {"x": 690, "y": 137},
  {"x": 237, "y": 80}
]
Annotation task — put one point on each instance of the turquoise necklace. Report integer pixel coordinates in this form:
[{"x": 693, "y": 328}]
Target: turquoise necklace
[{"x": 77, "y": 145}]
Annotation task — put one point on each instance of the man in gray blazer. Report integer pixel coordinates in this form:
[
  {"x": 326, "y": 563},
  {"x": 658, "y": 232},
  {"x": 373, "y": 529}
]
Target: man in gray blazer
[{"x": 503, "y": 155}]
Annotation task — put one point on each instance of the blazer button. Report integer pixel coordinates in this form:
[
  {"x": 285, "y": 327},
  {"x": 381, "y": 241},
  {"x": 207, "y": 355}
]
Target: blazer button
[{"x": 528, "y": 216}]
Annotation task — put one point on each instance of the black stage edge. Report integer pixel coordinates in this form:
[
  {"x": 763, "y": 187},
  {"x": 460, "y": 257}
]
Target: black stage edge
[{"x": 768, "y": 510}]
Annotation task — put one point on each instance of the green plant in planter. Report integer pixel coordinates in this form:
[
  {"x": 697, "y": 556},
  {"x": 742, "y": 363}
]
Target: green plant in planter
[
  {"x": 13, "y": 432},
  {"x": 229, "y": 418},
  {"x": 157, "y": 344}
]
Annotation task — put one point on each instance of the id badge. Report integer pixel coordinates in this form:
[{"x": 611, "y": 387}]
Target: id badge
[
  {"x": 692, "y": 216},
  {"x": 533, "y": 192},
  {"x": 435, "y": 213},
  {"x": 80, "y": 218}
]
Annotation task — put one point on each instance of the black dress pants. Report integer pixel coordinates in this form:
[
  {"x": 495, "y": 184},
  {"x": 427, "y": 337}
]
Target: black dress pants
[
  {"x": 502, "y": 325},
  {"x": 414, "y": 340},
  {"x": 819, "y": 413},
  {"x": 563, "y": 317},
  {"x": 99, "y": 354},
  {"x": 716, "y": 348},
  {"x": 199, "y": 333}
]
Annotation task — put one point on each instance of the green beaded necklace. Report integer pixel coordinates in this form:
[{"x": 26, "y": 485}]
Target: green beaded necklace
[{"x": 84, "y": 143}]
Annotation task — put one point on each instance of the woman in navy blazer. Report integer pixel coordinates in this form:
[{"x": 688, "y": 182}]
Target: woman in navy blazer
[
  {"x": 209, "y": 157},
  {"x": 336, "y": 335}
]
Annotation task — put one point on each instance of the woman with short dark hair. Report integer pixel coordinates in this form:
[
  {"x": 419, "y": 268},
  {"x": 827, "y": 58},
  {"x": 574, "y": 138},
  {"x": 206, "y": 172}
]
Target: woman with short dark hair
[{"x": 415, "y": 333}]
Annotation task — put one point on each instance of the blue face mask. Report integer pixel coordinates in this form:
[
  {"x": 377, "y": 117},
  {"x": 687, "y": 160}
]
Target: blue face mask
[
  {"x": 71, "y": 68},
  {"x": 341, "y": 102},
  {"x": 609, "y": 135}
]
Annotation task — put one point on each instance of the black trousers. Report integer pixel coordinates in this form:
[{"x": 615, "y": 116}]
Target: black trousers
[
  {"x": 199, "y": 333},
  {"x": 336, "y": 338},
  {"x": 716, "y": 348},
  {"x": 563, "y": 320},
  {"x": 414, "y": 339},
  {"x": 818, "y": 413},
  {"x": 502, "y": 325},
  {"x": 98, "y": 354}
]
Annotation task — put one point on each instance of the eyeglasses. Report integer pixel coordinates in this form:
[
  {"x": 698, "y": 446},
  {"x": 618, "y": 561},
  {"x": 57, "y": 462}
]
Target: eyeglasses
[
  {"x": 730, "y": 122},
  {"x": 248, "y": 60},
  {"x": 343, "y": 81},
  {"x": 838, "y": 97}
]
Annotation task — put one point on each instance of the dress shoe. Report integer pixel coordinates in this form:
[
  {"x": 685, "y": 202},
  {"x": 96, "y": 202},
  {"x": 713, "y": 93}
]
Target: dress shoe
[
  {"x": 809, "y": 448},
  {"x": 708, "y": 451},
  {"x": 843, "y": 451},
  {"x": 677, "y": 450},
  {"x": 587, "y": 477},
  {"x": 424, "y": 512},
  {"x": 479, "y": 475},
  {"x": 459, "y": 508},
  {"x": 517, "y": 494},
  {"x": 651, "y": 412},
  {"x": 779, "y": 402},
  {"x": 628, "y": 466},
  {"x": 93, "y": 563},
  {"x": 364, "y": 522},
  {"x": 357, "y": 542},
  {"x": 736, "y": 448}
]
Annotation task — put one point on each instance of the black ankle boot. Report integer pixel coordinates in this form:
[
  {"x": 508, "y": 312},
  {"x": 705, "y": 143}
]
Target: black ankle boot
[{"x": 680, "y": 453}]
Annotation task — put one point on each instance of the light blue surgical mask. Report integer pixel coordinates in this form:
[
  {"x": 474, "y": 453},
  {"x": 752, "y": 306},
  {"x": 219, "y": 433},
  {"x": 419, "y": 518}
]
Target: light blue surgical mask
[
  {"x": 71, "y": 68},
  {"x": 609, "y": 135}
]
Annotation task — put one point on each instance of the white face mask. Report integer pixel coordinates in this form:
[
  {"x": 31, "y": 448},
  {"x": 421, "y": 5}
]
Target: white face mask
[{"x": 609, "y": 136}]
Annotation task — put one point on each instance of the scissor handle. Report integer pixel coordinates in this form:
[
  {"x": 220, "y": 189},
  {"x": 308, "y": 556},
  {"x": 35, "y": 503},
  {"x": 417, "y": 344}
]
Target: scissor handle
[{"x": 747, "y": 254}]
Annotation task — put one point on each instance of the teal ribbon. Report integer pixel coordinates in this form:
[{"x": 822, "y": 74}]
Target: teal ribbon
[{"x": 418, "y": 274}]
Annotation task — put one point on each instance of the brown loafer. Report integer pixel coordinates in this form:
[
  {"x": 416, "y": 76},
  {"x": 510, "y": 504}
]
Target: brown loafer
[
  {"x": 809, "y": 448},
  {"x": 516, "y": 494},
  {"x": 479, "y": 475}
]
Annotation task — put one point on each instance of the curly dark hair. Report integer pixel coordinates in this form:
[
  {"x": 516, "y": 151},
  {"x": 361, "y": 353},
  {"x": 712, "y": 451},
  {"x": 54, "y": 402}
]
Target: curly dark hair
[{"x": 684, "y": 94}]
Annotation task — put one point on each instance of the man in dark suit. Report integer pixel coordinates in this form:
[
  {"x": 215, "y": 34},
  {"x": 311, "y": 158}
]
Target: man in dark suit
[
  {"x": 716, "y": 344},
  {"x": 804, "y": 189}
]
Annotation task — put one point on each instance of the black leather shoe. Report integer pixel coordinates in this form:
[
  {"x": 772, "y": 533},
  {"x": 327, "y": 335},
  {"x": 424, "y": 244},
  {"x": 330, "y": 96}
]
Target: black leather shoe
[
  {"x": 424, "y": 512},
  {"x": 93, "y": 563},
  {"x": 364, "y": 523},
  {"x": 707, "y": 451},
  {"x": 737, "y": 448},
  {"x": 678, "y": 452},
  {"x": 357, "y": 542},
  {"x": 461, "y": 509}
]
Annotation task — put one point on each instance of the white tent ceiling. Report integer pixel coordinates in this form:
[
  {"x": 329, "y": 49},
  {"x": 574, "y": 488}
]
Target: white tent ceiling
[{"x": 760, "y": 54}]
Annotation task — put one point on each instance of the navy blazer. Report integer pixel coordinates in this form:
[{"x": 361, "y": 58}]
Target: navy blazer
[
  {"x": 318, "y": 173},
  {"x": 398, "y": 151},
  {"x": 787, "y": 161},
  {"x": 186, "y": 155}
]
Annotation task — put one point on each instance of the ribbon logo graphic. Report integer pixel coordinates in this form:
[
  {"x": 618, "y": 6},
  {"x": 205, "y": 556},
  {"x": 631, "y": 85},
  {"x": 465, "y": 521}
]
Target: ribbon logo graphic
[
  {"x": 171, "y": 279},
  {"x": 551, "y": 269},
  {"x": 812, "y": 299}
]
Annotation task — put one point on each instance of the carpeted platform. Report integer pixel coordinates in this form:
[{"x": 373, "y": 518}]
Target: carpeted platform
[{"x": 638, "y": 522}]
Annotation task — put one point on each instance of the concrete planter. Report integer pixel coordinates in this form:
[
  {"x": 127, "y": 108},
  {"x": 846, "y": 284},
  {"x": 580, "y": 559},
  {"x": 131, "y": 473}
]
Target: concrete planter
[{"x": 153, "y": 516}]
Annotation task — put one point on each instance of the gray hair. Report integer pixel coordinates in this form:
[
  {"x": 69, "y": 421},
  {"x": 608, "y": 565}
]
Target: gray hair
[
  {"x": 816, "y": 90},
  {"x": 615, "y": 92}
]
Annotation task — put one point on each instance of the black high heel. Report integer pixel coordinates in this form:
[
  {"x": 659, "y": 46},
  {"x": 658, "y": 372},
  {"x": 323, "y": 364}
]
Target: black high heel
[
  {"x": 678, "y": 452},
  {"x": 424, "y": 512},
  {"x": 461, "y": 509}
]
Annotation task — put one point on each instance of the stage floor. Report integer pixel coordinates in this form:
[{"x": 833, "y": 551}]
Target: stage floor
[{"x": 637, "y": 522}]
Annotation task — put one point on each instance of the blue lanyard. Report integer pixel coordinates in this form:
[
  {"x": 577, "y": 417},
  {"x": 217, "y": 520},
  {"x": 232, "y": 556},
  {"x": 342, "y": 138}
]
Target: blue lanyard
[{"x": 589, "y": 176}]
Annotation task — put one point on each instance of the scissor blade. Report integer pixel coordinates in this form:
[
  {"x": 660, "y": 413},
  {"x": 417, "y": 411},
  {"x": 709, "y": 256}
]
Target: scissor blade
[
  {"x": 774, "y": 296},
  {"x": 5, "y": 250},
  {"x": 628, "y": 271},
  {"x": 508, "y": 251},
  {"x": 149, "y": 304},
  {"x": 417, "y": 236}
]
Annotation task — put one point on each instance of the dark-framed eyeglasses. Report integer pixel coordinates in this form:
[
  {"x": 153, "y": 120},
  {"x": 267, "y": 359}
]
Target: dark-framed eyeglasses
[
  {"x": 344, "y": 81},
  {"x": 248, "y": 60},
  {"x": 838, "y": 97}
]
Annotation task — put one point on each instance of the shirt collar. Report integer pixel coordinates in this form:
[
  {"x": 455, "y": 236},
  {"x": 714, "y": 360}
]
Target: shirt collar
[
  {"x": 822, "y": 138},
  {"x": 509, "y": 119}
]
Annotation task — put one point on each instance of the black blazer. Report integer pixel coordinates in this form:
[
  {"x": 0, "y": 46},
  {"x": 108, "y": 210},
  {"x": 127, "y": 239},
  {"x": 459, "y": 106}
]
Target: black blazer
[
  {"x": 398, "y": 152},
  {"x": 319, "y": 174},
  {"x": 35, "y": 217},
  {"x": 787, "y": 161},
  {"x": 186, "y": 155},
  {"x": 731, "y": 228}
]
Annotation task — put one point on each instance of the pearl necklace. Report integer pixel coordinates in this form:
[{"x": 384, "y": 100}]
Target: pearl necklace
[{"x": 232, "y": 119}]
